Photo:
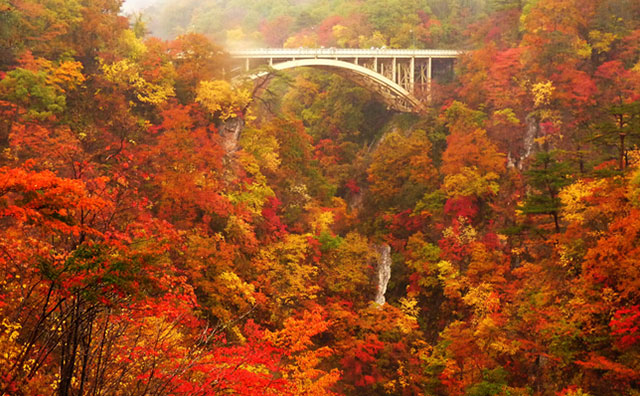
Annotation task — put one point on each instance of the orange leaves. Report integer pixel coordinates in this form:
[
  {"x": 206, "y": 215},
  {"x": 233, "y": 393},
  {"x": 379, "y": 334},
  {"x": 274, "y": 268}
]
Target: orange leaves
[
  {"x": 471, "y": 149},
  {"x": 613, "y": 261},
  {"x": 42, "y": 198},
  {"x": 471, "y": 164},
  {"x": 400, "y": 161},
  {"x": 297, "y": 332}
]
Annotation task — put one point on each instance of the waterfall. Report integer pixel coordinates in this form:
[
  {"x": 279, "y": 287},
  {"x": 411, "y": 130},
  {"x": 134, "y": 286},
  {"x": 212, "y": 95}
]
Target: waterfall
[
  {"x": 384, "y": 272},
  {"x": 529, "y": 139}
]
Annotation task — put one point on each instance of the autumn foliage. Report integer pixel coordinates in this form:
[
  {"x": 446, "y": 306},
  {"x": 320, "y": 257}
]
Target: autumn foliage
[{"x": 165, "y": 230}]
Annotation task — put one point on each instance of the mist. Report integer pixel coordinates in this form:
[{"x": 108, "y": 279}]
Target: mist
[{"x": 131, "y": 6}]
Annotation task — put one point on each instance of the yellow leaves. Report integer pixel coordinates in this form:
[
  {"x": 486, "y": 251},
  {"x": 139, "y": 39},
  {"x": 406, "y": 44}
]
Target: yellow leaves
[
  {"x": 236, "y": 35},
  {"x": 582, "y": 48},
  {"x": 465, "y": 234},
  {"x": 487, "y": 322},
  {"x": 344, "y": 36},
  {"x": 505, "y": 346},
  {"x": 601, "y": 41},
  {"x": 126, "y": 74},
  {"x": 346, "y": 268},
  {"x": 409, "y": 306},
  {"x": 321, "y": 221},
  {"x": 506, "y": 116},
  {"x": 409, "y": 321},
  {"x": 376, "y": 40},
  {"x": 289, "y": 270},
  {"x": 254, "y": 195},
  {"x": 117, "y": 71},
  {"x": 575, "y": 208},
  {"x": 234, "y": 284},
  {"x": 634, "y": 187},
  {"x": 263, "y": 146},
  {"x": 304, "y": 40},
  {"x": 469, "y": 182},
  {"x": 299, "y": 195},
  {"x": 40, "y": 86},
  {"x": 11, "y": 329},
  {"x": 542, "y": 93},
  {"x": 451, "y": 279},
  {"x": 482, "y": 299},
  {"x": 132, "y": 46},
  {"x": 10, "y": 348},
  {"x": 66, "y": 76},
  {"x": 221, "y": 99},
  {"x": 237, "y": 228},
  {"x": 573, "y": 204}
]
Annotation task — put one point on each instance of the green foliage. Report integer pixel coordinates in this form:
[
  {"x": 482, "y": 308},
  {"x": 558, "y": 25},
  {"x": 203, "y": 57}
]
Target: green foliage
[
  {"x": 329, "y": 242},
  {"x": 493, "y": 384},
  {"x": 42, "y": 89},
  {"x": 547, "y": 175}
]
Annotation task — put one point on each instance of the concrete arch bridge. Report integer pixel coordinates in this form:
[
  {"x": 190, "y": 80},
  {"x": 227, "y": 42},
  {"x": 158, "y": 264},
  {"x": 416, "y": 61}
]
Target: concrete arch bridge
[{"x": 398, "y": 76}]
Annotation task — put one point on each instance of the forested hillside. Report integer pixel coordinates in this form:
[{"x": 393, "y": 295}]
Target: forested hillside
[
  {"x": 166, "y": 231},
  {"x": 335, "y": 23}
]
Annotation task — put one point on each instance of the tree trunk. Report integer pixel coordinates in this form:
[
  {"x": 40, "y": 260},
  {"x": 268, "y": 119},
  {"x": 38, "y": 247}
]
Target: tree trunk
[{"x": 622, "y": 136}]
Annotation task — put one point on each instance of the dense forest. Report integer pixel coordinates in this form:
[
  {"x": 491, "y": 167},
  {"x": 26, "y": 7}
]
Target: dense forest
[{"x": 165, "y": 230}]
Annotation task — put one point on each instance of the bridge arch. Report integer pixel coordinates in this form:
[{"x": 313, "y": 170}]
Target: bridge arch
[{"x": 392, "y": 94}]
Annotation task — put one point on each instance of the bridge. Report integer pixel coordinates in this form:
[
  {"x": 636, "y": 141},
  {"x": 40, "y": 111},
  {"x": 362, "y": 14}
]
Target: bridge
[{"x": 398, "y": 76}]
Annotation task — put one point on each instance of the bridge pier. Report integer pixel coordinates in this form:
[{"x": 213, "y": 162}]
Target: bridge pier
[
  {"x": 429, "y": 76},
  {"x": 412, "y": 74}
]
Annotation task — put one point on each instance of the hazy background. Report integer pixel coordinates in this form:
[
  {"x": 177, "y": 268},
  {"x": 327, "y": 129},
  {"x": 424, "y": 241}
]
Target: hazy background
[{"x": 131, "y": 6}]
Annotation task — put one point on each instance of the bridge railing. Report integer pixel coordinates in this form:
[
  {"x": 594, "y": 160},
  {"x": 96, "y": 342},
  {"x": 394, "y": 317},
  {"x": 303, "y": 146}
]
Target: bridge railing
[{"x": 344, "y": 52}]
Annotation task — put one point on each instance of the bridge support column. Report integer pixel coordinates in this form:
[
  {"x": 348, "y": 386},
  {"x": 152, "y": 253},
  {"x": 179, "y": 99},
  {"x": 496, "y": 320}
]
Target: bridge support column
[
  {"x": 429, "y": 69},
  {"x": 375, "y": 64},
  {"x": 412, "y": 74},
  {"x": 394, "y": 70},
  {"x": 247, "y": 65}
]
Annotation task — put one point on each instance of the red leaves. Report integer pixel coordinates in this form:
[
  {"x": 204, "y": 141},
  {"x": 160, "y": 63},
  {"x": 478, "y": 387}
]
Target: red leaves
[
  {"x": 618, "y": 371},
  {"x": 352, "y": 186},
  {"x": 359, "y": 362},
  {"x": 272, "y": 225},
  {"x": 461, "y": 207},
  {"x": 626, "y": 325},
  {"x": 611, "y": 70},
  {"x": 402, "y": 225},
  {"x": 574, "y": 87}
]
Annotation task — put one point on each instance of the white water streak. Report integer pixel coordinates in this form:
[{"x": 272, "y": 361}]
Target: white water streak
[{"x": 384, "y": 272}]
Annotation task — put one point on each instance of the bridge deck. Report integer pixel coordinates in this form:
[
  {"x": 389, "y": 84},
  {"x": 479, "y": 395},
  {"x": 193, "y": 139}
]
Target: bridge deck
[{"x": 300, "y": 53}]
